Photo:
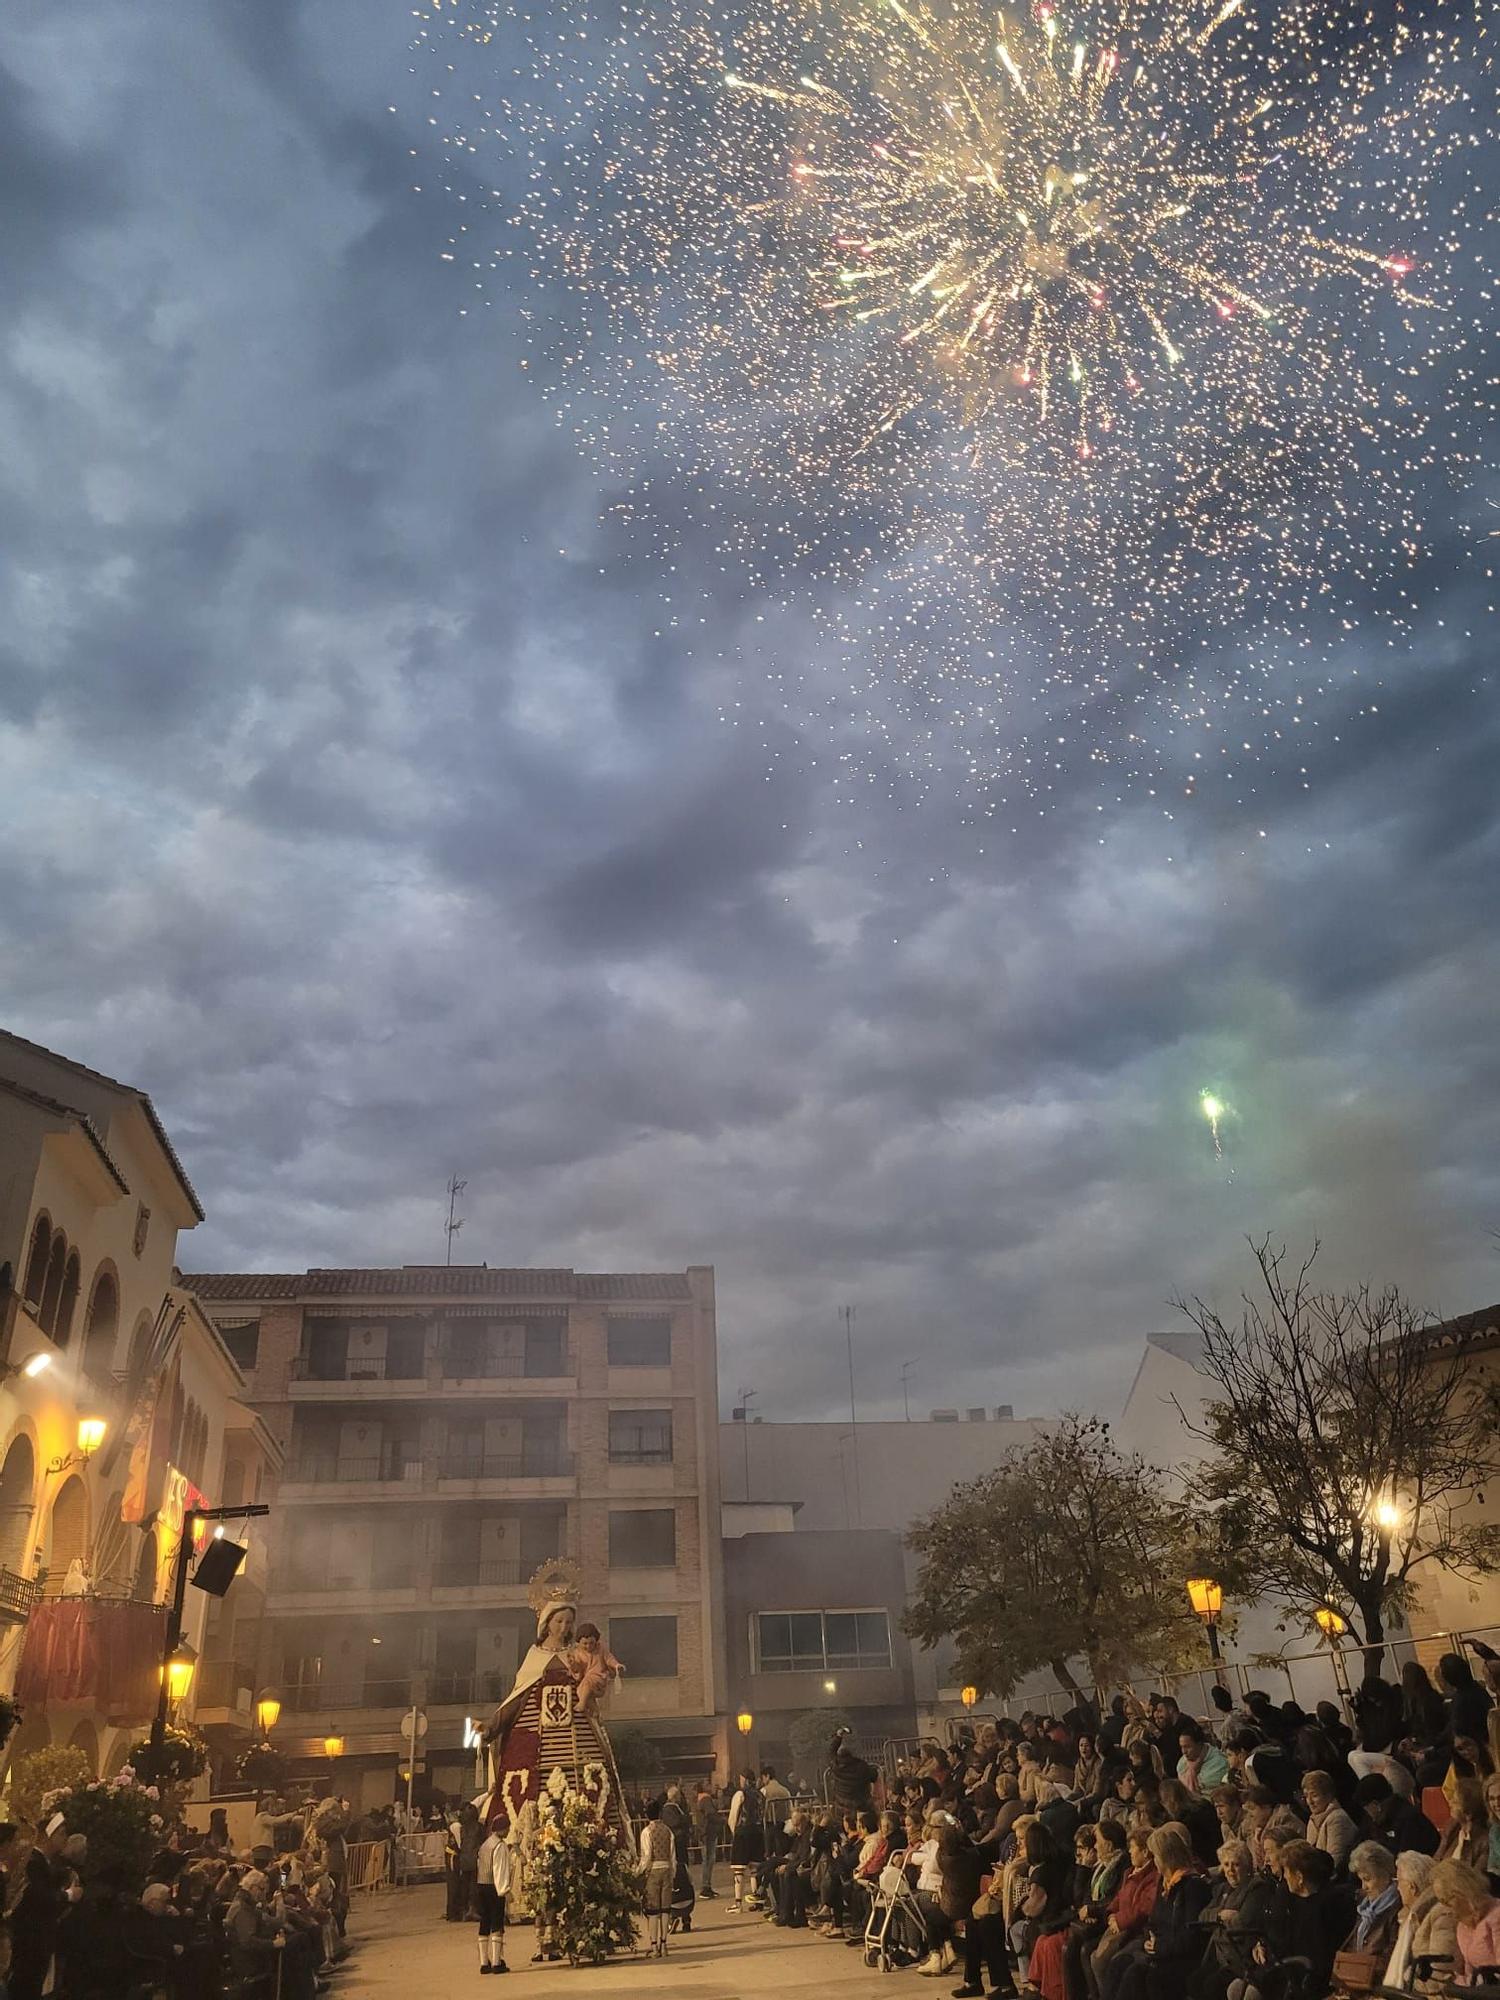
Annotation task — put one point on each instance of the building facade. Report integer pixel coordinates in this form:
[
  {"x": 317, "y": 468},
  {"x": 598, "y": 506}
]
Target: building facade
[
  {"x": 117, "y": 1400},
  {"x": 448, "y": 1430}
]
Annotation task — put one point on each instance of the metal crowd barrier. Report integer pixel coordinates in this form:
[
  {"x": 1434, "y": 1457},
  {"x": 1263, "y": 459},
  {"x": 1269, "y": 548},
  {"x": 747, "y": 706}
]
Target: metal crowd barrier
[{"x": 369, "y": 1865}]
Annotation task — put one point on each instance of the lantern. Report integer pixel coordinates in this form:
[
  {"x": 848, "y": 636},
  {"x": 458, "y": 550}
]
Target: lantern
[
  {"x": 180, "y": 1669},
  {"x": 968, "y": 1696},
  {"x": 1206, "y": 1597},
  {"x": 90, "y": 1435},
  {"x": 267, "y": 1710},
  {"x": 333, "y": 1746},
  {"x": 744, "y": 1722}
]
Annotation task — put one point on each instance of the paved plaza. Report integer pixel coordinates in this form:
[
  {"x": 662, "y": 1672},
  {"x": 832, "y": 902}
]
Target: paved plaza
[{"x": 406, "y": 1952}]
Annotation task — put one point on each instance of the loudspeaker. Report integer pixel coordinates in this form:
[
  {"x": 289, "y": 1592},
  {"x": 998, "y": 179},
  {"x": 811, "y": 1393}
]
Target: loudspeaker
[{"x": 218, "y": 1566}]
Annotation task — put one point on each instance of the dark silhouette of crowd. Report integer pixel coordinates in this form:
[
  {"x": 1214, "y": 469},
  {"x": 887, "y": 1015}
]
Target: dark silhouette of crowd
[{"x": 1260, "y": 1852}]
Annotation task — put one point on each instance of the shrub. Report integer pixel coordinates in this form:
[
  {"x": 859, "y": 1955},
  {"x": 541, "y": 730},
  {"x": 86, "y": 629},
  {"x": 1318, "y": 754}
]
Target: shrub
[
  {"x": 122, "y": 1822},
  {"x": 636, "y": 1756},
  {"x": 58, "y": 1769}
]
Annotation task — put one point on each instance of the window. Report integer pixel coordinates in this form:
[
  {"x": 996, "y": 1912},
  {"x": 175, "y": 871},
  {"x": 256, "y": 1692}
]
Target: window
[
  {"x": 645, "y": 1645},
  {"x": 242, "y": 1338},
  {"x": 643, "y": 1538},
  {"x": 793, "y": 1642},
  {"x": 640, "y": 1343},
  {"x": 640, "y": 1437}
]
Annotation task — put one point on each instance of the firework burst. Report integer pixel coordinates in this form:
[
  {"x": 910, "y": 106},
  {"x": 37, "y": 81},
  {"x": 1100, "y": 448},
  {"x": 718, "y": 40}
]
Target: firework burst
[{"x": 1102, "y": 323}]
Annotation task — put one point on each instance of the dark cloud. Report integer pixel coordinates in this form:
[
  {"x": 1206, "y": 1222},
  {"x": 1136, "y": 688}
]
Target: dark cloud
[{"x": 387, "y": 809}]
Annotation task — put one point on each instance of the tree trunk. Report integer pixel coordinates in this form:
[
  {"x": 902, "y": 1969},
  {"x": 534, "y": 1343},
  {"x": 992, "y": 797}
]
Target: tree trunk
[
  {"x": 1373, "y": 1643},
  {"x": 1065, "y": 1676}
]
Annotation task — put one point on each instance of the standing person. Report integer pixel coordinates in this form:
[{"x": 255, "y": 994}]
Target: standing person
[
  {"x": 1468, "y": 1704},
  {"x": 674, "y": 1811},
  {"x": 492, "y": 1886},
  {"x": 708, "y": 1823},
  {"x": 470, "y": 1839},
  {"x": 747, "y": 1841},
  {"x": 776, "y": 1806},
  {"x": 658, "y": 1867},
  {"x": 853, "y": 1778},
  {"x": 33, "y": 1922}
]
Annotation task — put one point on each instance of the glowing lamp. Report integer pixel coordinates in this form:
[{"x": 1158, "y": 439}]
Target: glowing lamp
[
  {"x": 744, "y": 1722},
  {"x": 37, "y": 1365},
  {"x": 830, "y": 1687},
  {"x": 268, "y": 1711},
  {"x": 179, "y": 1673},
  {"x": 968, "y": 1696},
  {"x": 90, "y": 1435},
  {"x": 333, "y": 1746},
  {"x": 1387, "y": 1516},
  {"x": 1329, "y": 1622},
  {"x": 1205, "y": 1596}
]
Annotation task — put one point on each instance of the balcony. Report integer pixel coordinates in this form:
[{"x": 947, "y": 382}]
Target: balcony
[
  {"x": 314, "y": 1379},
  {"x": 391, "y": 1587},
  {"x": 387, "y": 1475},
  {"x": 464, "y": 1580},
  {"x": 320, "y": 1697},
  {"x": 553, "y": 1363},
  {"x": 545, "y": 1469},
  {"x": 223, "y": 1694},
  {"x": 19, "y": 1596}
]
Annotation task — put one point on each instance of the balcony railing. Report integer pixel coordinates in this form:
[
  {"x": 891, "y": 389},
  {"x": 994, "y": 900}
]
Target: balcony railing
[
  {"x": 19, "y": 1596},
  {"x": 388, "y": 1468},
  {"x": 374, "y": 1368},
  {"x": 307, "y": 1697},
  {"x": 473, "y": 1690},
  {"x": 472, "y": 1364},
  {"x": 462, "y": 1573},
  {"x": 641, "y": 1454},
  {"x": 397, "y": 1577},
  {"x": 535, "y": 1462}
]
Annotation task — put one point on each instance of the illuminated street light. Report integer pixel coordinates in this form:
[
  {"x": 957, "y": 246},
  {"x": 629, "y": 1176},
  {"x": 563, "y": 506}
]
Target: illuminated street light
[
  {"x": 268, "y": 1711},
  {"x": 968, "y": 1696},
  {"x": 179, "y": 1671}
]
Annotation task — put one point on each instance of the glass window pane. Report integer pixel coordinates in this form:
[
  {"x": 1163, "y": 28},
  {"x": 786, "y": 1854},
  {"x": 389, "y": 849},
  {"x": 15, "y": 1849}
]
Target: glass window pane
[
  {"x": 775, "y": 1642},
  {"x": 644, "y": 1646},
  {"x": 874, "y": 1639},
  {"x": 842, "y": 1638},
  {"x": 640, "y": 1343},
  {"x": 643, "y": 1538},
  {"x": 807, "y": 1638}
]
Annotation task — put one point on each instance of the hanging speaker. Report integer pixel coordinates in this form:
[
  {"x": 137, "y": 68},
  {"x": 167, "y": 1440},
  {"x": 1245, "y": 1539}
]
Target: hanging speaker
[{"x": 218, "y": 1566}]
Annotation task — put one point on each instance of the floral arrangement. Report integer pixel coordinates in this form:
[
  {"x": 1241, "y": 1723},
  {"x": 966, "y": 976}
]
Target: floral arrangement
[
  {"x": 121, "y": 1820},
  {"x": 262, "y": 1767},
  {"x": 184, "y": 1756},
  {"x": 583, "y": 1879}
]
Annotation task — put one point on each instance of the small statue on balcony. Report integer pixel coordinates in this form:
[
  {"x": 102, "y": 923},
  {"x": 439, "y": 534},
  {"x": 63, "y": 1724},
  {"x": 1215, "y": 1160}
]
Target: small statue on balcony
[{"x": 545, "y": 1736}]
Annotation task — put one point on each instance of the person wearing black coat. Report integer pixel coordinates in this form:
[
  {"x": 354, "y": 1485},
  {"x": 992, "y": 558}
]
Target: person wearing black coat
[
  {"x": 1468, "y": 1706},
  {"x": 34, "y": 1920},
  {"x": 1308, "y": 1922},
  {"x": 793, "y": 1881},
  {"x": 962, "y": 1867},
  {"x": 1396, "y": 1823},
  {"x": 853, "y": 1778},
  {"x": 1174, "y": 1939},
  {"x": 1235, "y": 1917}
]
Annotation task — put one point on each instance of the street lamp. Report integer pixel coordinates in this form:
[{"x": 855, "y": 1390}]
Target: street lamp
[
  {"x": 333, "y": 1747},
  {"x": 744, "y": 1722},
  {"x": 267, "y": 1712},
  {"x": 968, "y": 1696},
  {"x": 1207, "y": 1599},
  {"x": 90, "y": 1436},
  {"x": 179, "y": 1672},
  {"x": 830, "y": 1687},
  {"x": 1333, "y": 1628}
]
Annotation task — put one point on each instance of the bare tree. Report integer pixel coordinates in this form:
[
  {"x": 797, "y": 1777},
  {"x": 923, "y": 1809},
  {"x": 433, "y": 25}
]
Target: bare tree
[{"x": 1351, "y": 1442}]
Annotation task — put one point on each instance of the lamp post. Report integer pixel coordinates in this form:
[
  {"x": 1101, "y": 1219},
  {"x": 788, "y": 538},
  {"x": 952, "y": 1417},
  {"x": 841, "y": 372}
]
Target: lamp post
[
  {"x": 1207, "y": 1599},
  {"x": 333, "y": 1749},
  {"x": 968, "y": 1696},
  {"x": 744, "y": 1722},
  {"x": 172, "y": 1644},
  {"x": 267, "y": 1713},
  {"x": 90, "y": 1436}
]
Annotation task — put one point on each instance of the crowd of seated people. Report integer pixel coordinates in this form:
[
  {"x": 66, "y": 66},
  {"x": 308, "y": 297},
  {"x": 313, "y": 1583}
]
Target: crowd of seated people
[
  {"x": 1259, "y": 1853},
  {"x": 213, "y": 1921}
]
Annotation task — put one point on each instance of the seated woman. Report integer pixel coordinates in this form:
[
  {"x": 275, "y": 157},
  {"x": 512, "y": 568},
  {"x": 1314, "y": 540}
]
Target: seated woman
[
  {"x": 1464, "y": 1891},
  {"x": 1378, "y": 1915},
  {"x": 1426, "y": 1935},
  {"x": 1236, "y": 1916},
  {"x": 1128, "y": 1913},
  {"x": 1174, "y": 1941},
  {"x": 1306, "y": 1927},
  {"x": 1092, "y": 1908},
  {"x": 1046, "y": 1971},
  {"x": 1045, "y": 1904}
]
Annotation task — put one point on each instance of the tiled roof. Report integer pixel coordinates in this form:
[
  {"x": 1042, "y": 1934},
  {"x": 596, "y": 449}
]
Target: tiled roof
[
  {"x": 1467, "y": 1329},
  {"x": 438, "y": 1281},
  {"x": 128, "y": 1090},
  {"x": 57, "y": 1109}
]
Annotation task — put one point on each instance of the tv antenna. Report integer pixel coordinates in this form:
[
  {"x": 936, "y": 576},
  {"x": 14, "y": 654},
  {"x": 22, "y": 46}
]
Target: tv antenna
[{"x": 455, "y": 1221}]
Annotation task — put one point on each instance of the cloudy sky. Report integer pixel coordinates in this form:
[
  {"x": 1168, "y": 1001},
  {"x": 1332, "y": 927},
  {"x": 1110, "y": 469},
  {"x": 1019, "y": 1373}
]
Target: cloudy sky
[{"x": 360, "y": 801}]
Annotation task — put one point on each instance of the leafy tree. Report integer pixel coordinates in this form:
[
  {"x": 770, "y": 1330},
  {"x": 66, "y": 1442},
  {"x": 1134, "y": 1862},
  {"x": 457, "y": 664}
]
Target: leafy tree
[
  {"x": 636, "y": 1756},
  {"x": 808, "y": 1739},
  {"x": 62, "y": 1768},
  {"x": 1070, "y": 1551},
  {"x": 1349, "y": 1445}
]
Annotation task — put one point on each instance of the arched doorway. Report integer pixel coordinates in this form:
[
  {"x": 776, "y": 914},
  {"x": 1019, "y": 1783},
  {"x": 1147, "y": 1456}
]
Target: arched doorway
[
  {"x": 17, "y": 1501},
  {"x": 86, "y": 1738},
  {"x": 102, "y": 1332},
  {"x": 67, "y": 1529}
]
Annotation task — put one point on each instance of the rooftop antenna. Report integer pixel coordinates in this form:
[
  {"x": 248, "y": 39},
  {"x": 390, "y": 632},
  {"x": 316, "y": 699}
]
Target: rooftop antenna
[
  {"x": 906, "y": 1368},
  {"x": 747, "y": 1397},
  {"x": 455, "y": 1222}
]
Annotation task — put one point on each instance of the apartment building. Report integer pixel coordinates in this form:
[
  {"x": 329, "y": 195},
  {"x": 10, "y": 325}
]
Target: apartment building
[
  {"x": 446, "y": 1431},
  {"x": 117, "y": 1403}
]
